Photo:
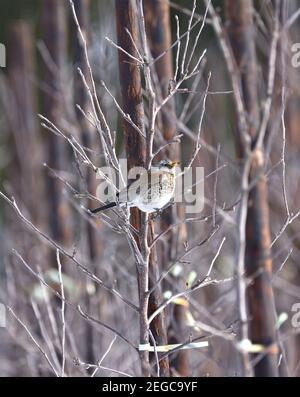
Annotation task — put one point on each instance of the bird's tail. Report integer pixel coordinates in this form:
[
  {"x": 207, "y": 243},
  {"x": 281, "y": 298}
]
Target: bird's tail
[{"x": 104, "y": 207}]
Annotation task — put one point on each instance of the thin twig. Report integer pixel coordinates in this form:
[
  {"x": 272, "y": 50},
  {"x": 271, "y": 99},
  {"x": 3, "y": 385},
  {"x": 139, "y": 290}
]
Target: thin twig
[
  {"x": 17, "y": 318},
  {"x": 62, "y": 292}
]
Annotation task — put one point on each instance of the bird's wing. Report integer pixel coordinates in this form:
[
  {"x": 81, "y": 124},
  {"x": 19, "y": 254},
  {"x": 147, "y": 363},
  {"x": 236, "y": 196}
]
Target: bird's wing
[{"x": 132, "y": 190}]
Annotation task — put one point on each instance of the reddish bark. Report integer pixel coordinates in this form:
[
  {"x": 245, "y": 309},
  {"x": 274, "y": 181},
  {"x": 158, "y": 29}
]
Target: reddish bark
[
  {"x": 54, "y": 36},
  {"x": 131, "y": 87},
  {"x": 87, "y": 134},
  {"x": 21, "y": 74},
  {"x": 258, "y": 261},
  {"x": 157, "y": 18}
]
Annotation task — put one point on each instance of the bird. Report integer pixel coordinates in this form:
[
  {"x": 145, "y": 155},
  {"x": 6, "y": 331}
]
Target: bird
[{"x": 151, "y": 192}]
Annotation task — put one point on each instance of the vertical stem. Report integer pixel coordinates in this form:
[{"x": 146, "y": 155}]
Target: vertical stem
[
  {"x": 131, "y": 87},
  {"x": 258, "y": 266},
  {"x": 93, "y": 238},
  {"x": 54, "y": 37},
  {"x": 255, "y": 255},
  {"x": 157, "y": 19},
  {"x": 158, "y": 325},
  {"x": 21, "y": 74},
  {"x": 241, "y": 32}
]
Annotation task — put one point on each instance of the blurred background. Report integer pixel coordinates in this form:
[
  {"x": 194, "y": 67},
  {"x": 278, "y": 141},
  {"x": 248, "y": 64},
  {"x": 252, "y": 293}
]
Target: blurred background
[{"x": 50, "y": 184}]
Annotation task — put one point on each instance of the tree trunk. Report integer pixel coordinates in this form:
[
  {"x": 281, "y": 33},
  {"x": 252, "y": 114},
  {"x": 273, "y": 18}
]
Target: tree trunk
[
  {"x": 258, "y": 261},
  {"x": 93, "y": 243},
  {"x": 24, "y": 127},
  {"x": 157, "y": 18},
  {"x": 54, "y": 37},
  {"x": 131, "y": 87}
]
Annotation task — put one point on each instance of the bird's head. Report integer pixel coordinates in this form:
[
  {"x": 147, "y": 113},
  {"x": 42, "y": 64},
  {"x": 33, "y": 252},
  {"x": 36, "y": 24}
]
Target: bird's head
[{"x": 168, "y": 165}]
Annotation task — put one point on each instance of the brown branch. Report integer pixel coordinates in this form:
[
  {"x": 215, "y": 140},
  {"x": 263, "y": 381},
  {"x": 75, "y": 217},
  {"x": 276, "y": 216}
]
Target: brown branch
[
  {"x": 54, "y": 36},
  {"x": 254, "y": 256},
  {"x": 131, "y": 88}
]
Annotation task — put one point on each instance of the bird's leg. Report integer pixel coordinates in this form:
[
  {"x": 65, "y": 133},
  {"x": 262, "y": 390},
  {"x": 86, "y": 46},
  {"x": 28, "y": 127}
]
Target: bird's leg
[
  {"x": 158, "y": 211},
  {"x": 156, "y": 214},
  {"x": 151, "y": 217}
]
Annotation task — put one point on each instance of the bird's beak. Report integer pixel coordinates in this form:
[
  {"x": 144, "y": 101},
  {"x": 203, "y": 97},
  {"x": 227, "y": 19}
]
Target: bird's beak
[{"x": 175, "y": 163}]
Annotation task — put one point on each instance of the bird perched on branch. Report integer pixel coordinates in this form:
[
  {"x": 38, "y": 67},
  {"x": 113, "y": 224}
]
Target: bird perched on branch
[{"x": 150, "y": 192}]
